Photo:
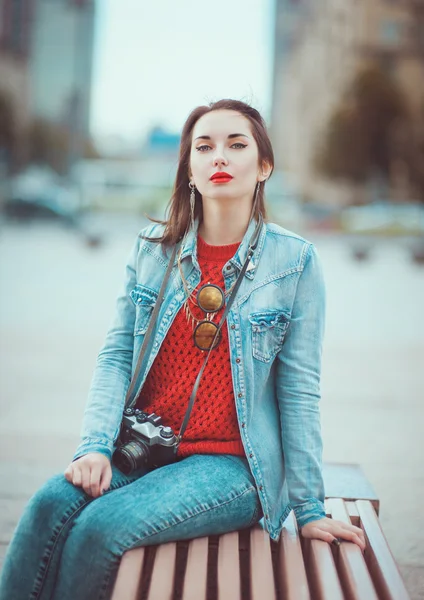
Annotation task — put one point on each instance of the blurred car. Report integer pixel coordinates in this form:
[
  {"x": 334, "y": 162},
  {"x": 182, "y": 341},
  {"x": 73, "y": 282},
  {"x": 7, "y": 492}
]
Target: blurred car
[
  {"x": 39, "y": 194},
  {"x": 387, "y": 218}
]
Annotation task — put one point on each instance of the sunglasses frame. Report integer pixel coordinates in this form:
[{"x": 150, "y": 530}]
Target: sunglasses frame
[
  {"x": 217, "y": 338},
  {"x": 210, "y": 285}
]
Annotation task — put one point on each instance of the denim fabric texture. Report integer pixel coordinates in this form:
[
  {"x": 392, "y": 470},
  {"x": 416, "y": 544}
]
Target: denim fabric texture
[
  {"x": 68, "y": 546},
  {"x": 275, "y": 328}
]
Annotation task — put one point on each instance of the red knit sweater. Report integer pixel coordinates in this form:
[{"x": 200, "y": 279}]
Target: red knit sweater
[{"x": 213, "y": 426}]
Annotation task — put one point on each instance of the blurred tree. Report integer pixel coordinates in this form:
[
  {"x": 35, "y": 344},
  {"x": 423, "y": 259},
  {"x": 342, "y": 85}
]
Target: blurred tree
[
  {"x": 90, "y": 150},
  {"x": 357, "y": 142},
  {"x": 49, "y": 142},
  {"x": 8, "y": 135}
]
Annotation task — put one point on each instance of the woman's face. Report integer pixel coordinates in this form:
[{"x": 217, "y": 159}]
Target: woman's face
[{"x": 222, "y": 141}]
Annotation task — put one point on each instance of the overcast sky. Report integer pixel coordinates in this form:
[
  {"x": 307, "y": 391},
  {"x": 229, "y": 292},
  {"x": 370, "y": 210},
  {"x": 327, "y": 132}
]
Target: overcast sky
[{"x": 155, "y": 60}]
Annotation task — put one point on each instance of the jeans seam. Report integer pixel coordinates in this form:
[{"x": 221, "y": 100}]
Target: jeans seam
[
  {"x": 202, "y": 512},
  {"x": 104, "y": 592},
  {"x": 104, "y": 588},
  {"x": 36, "y": 594},
  {"x": 108, "y": 573},
  {"x": 254, "y": 519}
]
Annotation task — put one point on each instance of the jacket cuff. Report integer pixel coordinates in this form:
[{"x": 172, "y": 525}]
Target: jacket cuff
[
  {"x": 93, "y": 445},
  {"x": 309, "y": 511}
]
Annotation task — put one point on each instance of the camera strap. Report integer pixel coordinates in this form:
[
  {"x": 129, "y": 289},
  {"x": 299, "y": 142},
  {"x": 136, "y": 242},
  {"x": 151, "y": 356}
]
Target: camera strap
[
  {"x": 158, "y": 304},
  {"x": 131, "y": 403},
  {"x": 252, "y": 247}
]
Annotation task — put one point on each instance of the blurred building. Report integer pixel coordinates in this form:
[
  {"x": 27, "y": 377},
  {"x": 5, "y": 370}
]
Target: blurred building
[
  {"x": 318, "y": 48},
  {"x": 161, "y": 142},
  {"x": 15, "y": 39},
  {"x": 61, "y": 62},
  {"x": 46, "y": 57}
]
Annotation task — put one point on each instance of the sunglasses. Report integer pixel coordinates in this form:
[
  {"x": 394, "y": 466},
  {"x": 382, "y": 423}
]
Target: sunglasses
[{"x": 210, "y": 298}]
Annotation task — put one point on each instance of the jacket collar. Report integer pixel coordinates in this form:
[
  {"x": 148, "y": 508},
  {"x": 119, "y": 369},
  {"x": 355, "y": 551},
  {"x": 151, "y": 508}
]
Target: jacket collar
[{"x": 190, "y": 248}]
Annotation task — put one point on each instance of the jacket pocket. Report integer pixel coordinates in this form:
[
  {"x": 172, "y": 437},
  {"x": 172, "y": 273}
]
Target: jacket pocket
[
  {"x": 268, "y": 329},
  {"x": 144, "y": 299}
]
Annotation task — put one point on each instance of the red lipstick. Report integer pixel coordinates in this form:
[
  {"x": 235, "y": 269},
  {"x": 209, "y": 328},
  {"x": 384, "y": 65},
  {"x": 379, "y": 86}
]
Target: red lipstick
[{"x": 221, "y": 177}]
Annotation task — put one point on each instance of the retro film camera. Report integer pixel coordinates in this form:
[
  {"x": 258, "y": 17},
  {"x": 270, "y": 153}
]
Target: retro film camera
[{"x": 144, "y": 441}]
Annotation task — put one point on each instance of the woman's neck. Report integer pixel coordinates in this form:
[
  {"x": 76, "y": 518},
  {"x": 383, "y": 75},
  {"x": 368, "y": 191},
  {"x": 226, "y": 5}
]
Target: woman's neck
[{"x": 220, "y": 227}]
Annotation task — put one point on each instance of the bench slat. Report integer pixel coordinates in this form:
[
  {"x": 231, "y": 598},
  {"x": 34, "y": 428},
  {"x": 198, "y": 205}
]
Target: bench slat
[
  {"x": 162, "y": 582},
  {"x": 261, "y": 573},
  {"x": 380, "y": 561},
  {"x": 353, "y": 513},
  {"x": 129, "y": 575},
  {"x": 305, "y": 568},
  {"x": 353, "y": 571},
  {"x": 229, "y": 584},
  {"x": 292, "y": 574},
  {"x": 323, "y": 574},
  {"x": 196, "y": 572}
]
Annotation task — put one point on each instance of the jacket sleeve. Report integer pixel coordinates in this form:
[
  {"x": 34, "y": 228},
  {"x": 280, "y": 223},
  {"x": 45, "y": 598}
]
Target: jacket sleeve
[
  {"x": 112, "y": 374},
  {"x": 298, "y": 392}
]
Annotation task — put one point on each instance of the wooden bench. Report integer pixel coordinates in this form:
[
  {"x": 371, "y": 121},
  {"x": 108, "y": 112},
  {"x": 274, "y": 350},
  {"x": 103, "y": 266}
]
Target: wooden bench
[{"x": 245, "y": 564}]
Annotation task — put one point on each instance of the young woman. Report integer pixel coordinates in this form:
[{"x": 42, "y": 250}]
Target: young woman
[{"x": 252, "y": 446}]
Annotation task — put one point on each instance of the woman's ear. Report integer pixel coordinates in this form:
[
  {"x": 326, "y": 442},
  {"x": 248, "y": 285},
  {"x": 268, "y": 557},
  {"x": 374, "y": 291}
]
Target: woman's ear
[{"x": 265, "y": 171}]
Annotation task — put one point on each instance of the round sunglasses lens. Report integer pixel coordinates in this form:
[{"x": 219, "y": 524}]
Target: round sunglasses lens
[
  {"x": 204, "y": 334},
  {"x": 210, "y": 298}
]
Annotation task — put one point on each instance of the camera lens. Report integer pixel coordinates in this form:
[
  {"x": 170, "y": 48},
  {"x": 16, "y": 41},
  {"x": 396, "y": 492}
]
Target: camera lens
[{"x": 131, "y": 456}]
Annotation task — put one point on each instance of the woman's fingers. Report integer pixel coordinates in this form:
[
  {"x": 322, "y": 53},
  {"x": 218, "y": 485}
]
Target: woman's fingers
[
  {"x": 92, "y": 472},
  {"x": 77, "y": 476},
  {"x": 85, "y": 478},
  {"x": 352, "y": 533},
  {"x": 356, "y": 530},
  {"x": 329, "y": 530},
  {"x": 69, "y": 473},
  {"x": 106, "y": 477},
  {"x": 353, "y": 537},
  {"x": 317, "y": 533},
  {"x": 95, "y": 476}
]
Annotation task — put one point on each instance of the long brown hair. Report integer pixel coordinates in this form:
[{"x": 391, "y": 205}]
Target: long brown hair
[{"x": 178, "y": 209}]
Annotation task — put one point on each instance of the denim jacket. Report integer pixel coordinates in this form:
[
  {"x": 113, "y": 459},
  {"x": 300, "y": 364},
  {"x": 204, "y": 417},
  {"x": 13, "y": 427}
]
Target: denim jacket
[{"x": 275, "y": 329}]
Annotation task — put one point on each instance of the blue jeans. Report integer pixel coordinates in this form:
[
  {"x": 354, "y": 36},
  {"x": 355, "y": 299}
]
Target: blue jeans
[{"x": 68, "y": 546}]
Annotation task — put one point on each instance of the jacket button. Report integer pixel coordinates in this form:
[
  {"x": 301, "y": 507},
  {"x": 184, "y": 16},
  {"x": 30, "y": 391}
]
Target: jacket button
[
  {"x": 243, "y": 424},
  {"x": 229, "y": 267},
  {"x": 251, "y": 455},
  {"x": 233, "y": 326},
  {"x": 240, "y": 395},
  {"x": 238, "y": 360},
  {"x": 261, "y": 488}
]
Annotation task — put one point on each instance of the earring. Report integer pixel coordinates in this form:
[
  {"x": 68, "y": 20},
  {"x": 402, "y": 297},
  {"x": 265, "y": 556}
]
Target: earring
[
  {"x": 258, "y": 187},
  {"x": 192, "y": 201}
]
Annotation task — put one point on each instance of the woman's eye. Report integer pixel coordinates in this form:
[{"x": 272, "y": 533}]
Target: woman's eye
[{"x": 205, "y": 146}]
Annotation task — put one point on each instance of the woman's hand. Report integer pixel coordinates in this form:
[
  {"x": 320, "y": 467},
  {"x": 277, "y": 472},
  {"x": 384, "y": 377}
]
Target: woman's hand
[
  {"x": 329, "y": 529},
  {"x": 92, "y": 472}
]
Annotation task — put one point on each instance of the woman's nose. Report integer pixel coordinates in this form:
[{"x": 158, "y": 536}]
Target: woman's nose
[{"x": 219, "y": 160}]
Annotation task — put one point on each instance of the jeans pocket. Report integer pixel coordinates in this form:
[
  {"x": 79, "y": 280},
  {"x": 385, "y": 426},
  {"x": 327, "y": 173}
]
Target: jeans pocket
[
  {"x": 268, "y": 329},
  {"x": 144, "y": 300}
]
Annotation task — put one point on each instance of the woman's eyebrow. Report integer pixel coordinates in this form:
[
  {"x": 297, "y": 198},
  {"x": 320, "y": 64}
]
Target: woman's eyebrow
[{"x": 232, "y": 135}]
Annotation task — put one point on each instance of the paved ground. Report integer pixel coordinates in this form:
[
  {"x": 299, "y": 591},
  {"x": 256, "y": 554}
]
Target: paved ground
[{"x": 57, "y": 300}]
